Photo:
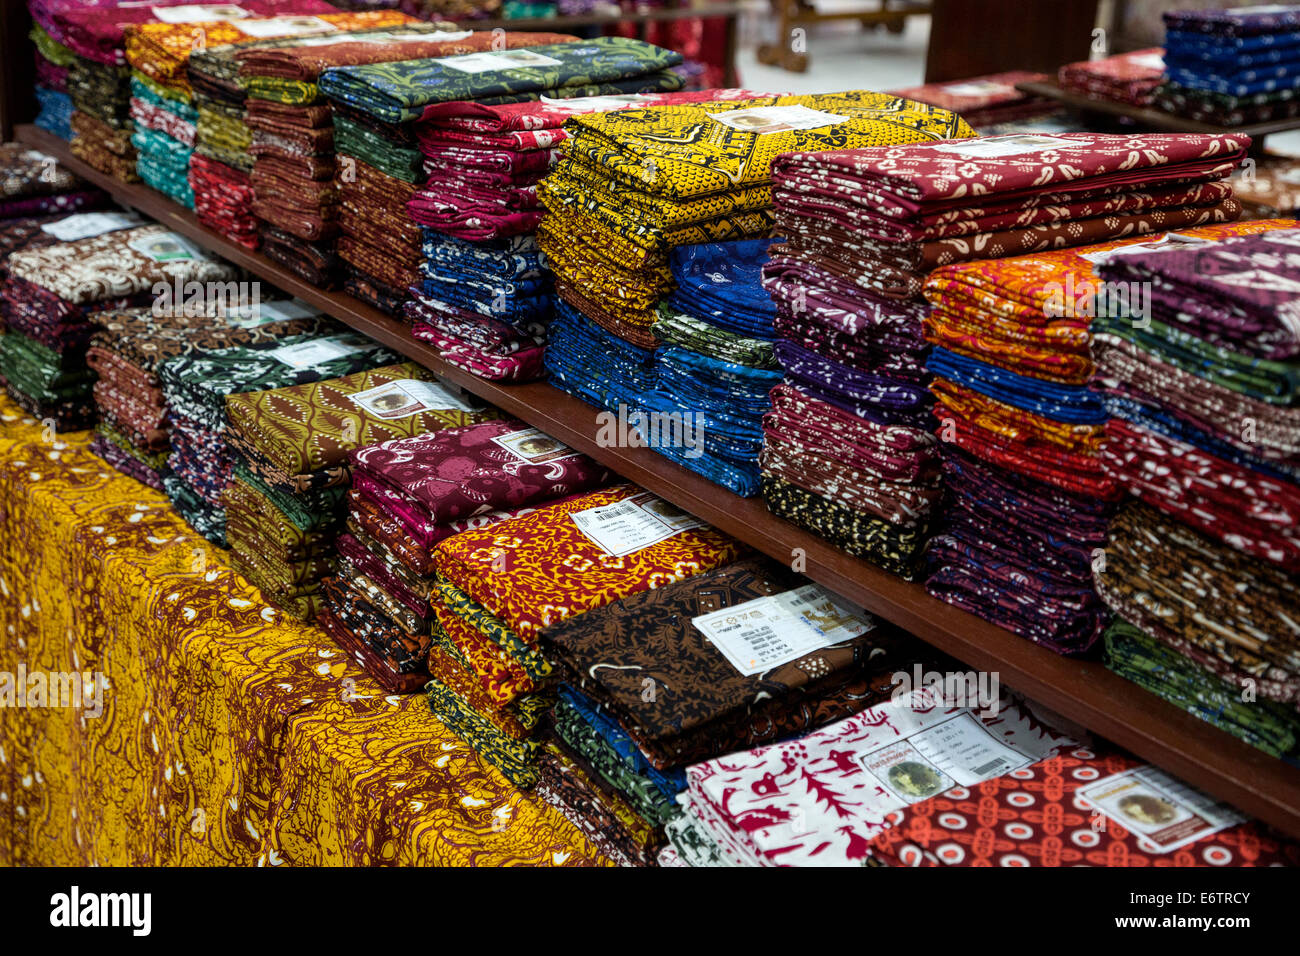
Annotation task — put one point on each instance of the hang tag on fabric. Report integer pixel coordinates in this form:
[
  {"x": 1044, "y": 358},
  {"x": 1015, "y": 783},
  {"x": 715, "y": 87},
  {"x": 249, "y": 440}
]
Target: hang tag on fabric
[{"x": 1164, "y": 813}]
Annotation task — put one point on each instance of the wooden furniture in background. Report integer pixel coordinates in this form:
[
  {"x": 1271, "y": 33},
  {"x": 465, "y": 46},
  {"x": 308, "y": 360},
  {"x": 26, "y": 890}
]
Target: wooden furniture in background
[{"x": 790, "y": 51}]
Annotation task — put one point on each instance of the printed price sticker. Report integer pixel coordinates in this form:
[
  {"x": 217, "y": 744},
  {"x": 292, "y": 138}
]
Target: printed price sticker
[
  {"x": 995, "y": 146},
  {"x": 406, "y": 397},
  {"x": 764, "y": 120},
  {"x": 498, "y": 60},
  {"x": 624, "y": 527},
  {"x": 1162, "y": 812},
  {"x": 318, "y": 351},
  {"x": 87, "y": 224}
]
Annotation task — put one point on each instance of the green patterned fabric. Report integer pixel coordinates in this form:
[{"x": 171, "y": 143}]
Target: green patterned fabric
[
  {"x": 464, "y": 606},
  {"x": 310, "y": 512},
  {"x": 50, "y": 48},
  {"x": 640, "y": 791},
  {"x": 693, "y": 844},
  {"x": 352, "y": 139},
  {"x": 514, "y": 758},
  {"x": 278, "y": 89},
  {"x": 1140, "y": 658},
  {"x": 1270, "y": 381},
  {"x": 398, "y": 92},
  {"x": 677, "y": 328}
]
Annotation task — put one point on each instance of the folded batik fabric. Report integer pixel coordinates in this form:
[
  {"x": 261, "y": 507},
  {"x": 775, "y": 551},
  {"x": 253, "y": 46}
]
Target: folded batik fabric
[
  {"x": 984, "y": 100},
  {"x": 1159, "y": 575},
  {"x": 1231, "y": 502},
  {"x": 1273, "y": 190},
  {"x": 603, "y": 816},
  {"x": 1179, "y": 679},
  {"x": 704, "y": 699},
  {"x": 1105, "y": 808},
  {"x": 298, "y": 438},
  {"x": 459, "y": 473},
  {"x": 400, "y": 92},
  {"x": 1130, "y": 78},
  {"x": 315, "y": 262},
  {"x": 119, "y": 263},
  {"x": 1234, "y": 293},
  {"x": 820, "y": 799},
  {"x": 550, "y": 546},
  {"x": 29, "y": 173}
]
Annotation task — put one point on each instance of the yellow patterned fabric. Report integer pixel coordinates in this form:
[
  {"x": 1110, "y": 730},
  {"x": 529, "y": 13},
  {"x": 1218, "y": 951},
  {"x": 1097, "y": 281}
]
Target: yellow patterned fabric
[
  {"x": 229, "y": 735},
  {"x": 685, "y": 150}
]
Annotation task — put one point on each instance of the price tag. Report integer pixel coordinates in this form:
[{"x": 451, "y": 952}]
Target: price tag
[
  {"x": 87, "y": 224},
  {"x": 627, "y": 526},
  {"x": 763, "y": 120}
]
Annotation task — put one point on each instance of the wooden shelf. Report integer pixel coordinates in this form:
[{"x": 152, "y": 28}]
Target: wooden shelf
[
  {"x": 1149, "y": 119},
  {"x": 1084, "y": 692}
]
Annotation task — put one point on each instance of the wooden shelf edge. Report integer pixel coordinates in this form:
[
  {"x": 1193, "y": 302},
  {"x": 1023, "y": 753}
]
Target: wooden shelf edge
[
  {"x": 1158, "y": 119},
  {"x": 1084, "y": 692}
]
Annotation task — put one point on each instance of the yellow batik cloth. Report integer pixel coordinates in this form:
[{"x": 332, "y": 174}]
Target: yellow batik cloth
[{"x": 229, "y": 734}]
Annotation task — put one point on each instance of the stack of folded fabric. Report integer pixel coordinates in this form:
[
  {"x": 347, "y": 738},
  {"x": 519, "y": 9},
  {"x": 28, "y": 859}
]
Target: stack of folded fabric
[
  {"x": 162, "y": 103},
  {"x": 509, "y": 582},
  {"x": 52, "y": 62},
  {"x": 984, "y": 101},
  {"x": 716, "y": 366},
  {"x": 1081, "y": 807},
  {"x": 1231, "y": 67},
  {"x": 1269, "y": 189},
  {"x": 291, "y": 469},
  {"x": 1203, "y": 392},
  {"x": 220, "y": 167},
  {"x": 1030, "y": 497},
  {"x": 820, "y": 799},
  {"x": 195, "y": 387},
  {"x": 1199, "y": 427},
  {"x": 597, "y": 366},
  {"x": 383, "y": 167},
  {"x": 130, "y": 346},
  {"x": 666, "y": 678},
  {"x": 409, "y": 494},
  {"x": 1129, "y": 78},
  {"x": 865, "y": 228},
  {"x": 34, "y": 184},
  {"x": 50, "y": 293},
  {"x": 294, "y": 179},
  {"x": 634, "y": 184},
  {"x": 1240, "y": 670},
  {"x": 164, "y": 137},
  {"x": 480, "y": 204},
  {"x": 99, "y": 79}
]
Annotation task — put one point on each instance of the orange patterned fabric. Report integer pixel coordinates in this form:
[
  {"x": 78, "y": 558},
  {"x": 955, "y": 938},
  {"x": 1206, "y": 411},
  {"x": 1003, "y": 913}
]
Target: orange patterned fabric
[
  {"x": 539, "y": 569},
  {"x": 229, "y": 735}
]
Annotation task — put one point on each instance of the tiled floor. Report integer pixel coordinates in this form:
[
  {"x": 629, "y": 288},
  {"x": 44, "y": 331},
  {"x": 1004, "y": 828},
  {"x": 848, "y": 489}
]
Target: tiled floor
[{"x": 841, "y": 56}]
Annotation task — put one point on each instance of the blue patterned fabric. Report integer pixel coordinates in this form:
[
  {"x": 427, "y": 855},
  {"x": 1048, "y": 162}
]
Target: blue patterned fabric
[
  {"x": 1074, "y": 404},
  {"x": 720, "y": 283},
  {"x": 56, "y": 112},
  {"x": 669, "y": 782}
]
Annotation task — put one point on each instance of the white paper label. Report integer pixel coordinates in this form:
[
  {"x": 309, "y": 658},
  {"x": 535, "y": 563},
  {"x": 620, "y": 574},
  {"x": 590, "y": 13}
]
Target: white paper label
[
  {"x": 318, "y": 351},
  {"x": 1290, "y": 176},
  {"x": 1148, "y": 61},
  {"x": 957, "y": 752},
  {"x": 267, "y": 312},
  {"x": 167, "y": 247},
  {"x": 199, "y": 13},
  {"x": 627, "y": 526},
  {"x": 597, "y": 104},
  {"x": 498, "y": 60},
  {"x": 1014, "y": 145},
  {"x": 285, "y": 27},
  {"x": 1162, "y": 812},
  {"x": 767, "y": 632},
  {"x": 763, "y": 120},
  {"x": 978, "y": 88},
  {"x": 533, "y": 446},
  {"x": 87, "y": 224},
  {"x": 1172, "y": 240},
  {"x": 406, "y": 397}
]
